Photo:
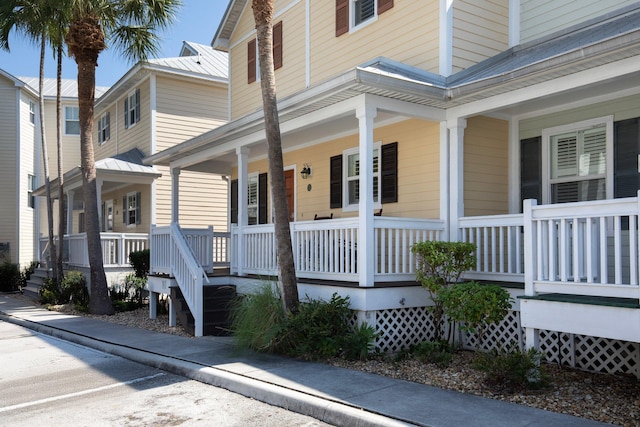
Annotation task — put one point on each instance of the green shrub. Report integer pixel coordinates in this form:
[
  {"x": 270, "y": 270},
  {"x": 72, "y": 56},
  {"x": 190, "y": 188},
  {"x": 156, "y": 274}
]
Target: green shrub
[
  {"x": 440, "y": 265},
  {"x": 358, "y": 344},
  {"x": 257, "y": 319},
  {"x": 438, "y": 352},
  {"x": 26, "y": 273},
  {"x": 140, "y": 261},
  {"x": 512, "y": 371},
  {"x": 72, "y": 290},
  {"x": 128, "y": 295},
  {"x": 9, "y": 277},
  {"x": 475, "y": 306}
]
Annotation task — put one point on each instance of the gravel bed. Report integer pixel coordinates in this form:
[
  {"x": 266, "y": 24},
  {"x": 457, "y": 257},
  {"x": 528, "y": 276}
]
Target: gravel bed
[{"x": 608, "y": 398}]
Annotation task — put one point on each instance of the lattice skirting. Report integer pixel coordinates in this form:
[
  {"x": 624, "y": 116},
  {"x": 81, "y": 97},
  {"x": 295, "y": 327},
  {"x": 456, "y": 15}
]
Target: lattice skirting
[{"x": 399, "y": 329}]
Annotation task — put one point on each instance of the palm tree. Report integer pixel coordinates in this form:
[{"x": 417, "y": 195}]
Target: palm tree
[
  {"x": 263, "y": 16},
  {"x": 34, "y": 18},
  {"x": 131, "y": 26}
]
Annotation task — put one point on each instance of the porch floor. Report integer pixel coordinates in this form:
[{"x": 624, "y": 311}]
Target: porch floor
[{"x": 586, "y": 299}]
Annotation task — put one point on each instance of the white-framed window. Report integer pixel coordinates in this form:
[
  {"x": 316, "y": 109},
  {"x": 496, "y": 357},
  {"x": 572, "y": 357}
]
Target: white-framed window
[
  {"x": 131, "y": 209},
  {"x": 351, "y": 177},
  {"x": 31, "y": 186},
  {"x": 132, "y": 109},
  {"x": 577, "y": 161},
  {"x": 252, "y": 198},
  {"x": 32, "y": 112},
  {"x": 71, "y": 120},
  {"x": 363, "y": 11},
  {"x": 104, "y": 128}
]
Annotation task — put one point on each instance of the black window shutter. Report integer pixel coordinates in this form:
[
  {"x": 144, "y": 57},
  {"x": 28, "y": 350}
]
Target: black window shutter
[
  {"x": 234, "y": 201},
  {"x": 384, "y": 5},
  {"x": 126, "y": 112},
  {"x": 342, "y": 17},
  {"x": 277, "y": 46},
  {"x": 137, "y": 112},
  {"x": 262, "y": 199},
  {"x": 625, "y": 158},
  {"x": 251, "y": 61},
  {"x": 138, "y": 210},
  {"x": 389, "y": 173},
  {"x": 335, "y": 182},
  {"x": 108, "y": 127},
  {"x": 531, "y": 169}
]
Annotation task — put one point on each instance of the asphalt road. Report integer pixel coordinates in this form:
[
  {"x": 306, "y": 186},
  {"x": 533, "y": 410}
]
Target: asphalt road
[{"x": 45, "y": 381}]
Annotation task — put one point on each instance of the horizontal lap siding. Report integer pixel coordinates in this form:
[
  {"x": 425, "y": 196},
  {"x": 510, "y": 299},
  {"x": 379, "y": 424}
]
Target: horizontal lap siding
[
  {"x": 404, "y": 33},
  {"x": 246, "y": 97},
  {"x": 70, "y": 143},
  {"x": 622, "y": 108},
  {"x": 418, "y": 171},
  {"x": 145, "y": 208},
  {"x": 540, "y": 18},
  {"x": 27, "y": 166},
  {"x": 8, "y": 159},
  {"x": 480, "y": 31},
  {"x": 486, "y": 156}
]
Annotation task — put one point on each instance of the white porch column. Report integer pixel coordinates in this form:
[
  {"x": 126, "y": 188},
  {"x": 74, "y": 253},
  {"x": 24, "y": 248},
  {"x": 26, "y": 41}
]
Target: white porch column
[
  {"x": 243, "y": 172},
  {"x": 175, "y": 195},
  {"x": 70, "y": 211},
  {"x": 514, "y": 166},
  {"x": 366, "y": 267},
  {"x": 99, "y": 197},
  {"x": 444, "y": 178},
  {"x": 456, "y": 175}
]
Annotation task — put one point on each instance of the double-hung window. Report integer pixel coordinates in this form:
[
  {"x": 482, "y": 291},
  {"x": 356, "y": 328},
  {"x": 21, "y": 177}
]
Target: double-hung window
[
  {"x": 71, "y": 121},
  {"x": 132, "y": 109},
  {"x": 252, "y": 199},
  {"x": 351, "y": 180},
  {"x": 131, "y": 209},
  {"x": 32, "y": 112},
  {"x": 578, "y": 161},
  {"x": 104, "y": 128},
  {"x": 351, "y": 14},
  {"x": 31, "y": 183}
]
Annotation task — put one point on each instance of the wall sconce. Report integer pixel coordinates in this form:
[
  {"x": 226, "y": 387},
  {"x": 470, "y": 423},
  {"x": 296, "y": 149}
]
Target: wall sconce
[{"x": 306, "y": 171}]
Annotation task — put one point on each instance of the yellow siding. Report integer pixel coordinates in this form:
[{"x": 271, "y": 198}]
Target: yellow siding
[
  {"x": 70, "y": 143},
  {"x": 480, "y": 30},
  {"x": 145, "y": 207},
  {"x": 539, "y": 18},
  {"x": 418, "y": 171},
  {"x": 486, "y": 157},
  {"x": 123, "y": 140},
  {"x": 411, "y": 36},
  {"x": 185, "y": 109}
]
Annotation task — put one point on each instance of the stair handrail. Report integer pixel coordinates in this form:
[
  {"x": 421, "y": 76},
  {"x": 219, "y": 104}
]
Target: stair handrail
[{"x": 189, "y": 275}]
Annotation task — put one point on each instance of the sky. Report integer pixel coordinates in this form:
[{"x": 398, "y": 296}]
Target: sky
[{"x": 197, "y": 21}]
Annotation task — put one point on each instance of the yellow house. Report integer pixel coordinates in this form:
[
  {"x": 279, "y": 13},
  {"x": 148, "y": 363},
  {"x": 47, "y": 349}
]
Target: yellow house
[
  {"x": 155, "y": 105},
  {"x": 510, "y": 124}
]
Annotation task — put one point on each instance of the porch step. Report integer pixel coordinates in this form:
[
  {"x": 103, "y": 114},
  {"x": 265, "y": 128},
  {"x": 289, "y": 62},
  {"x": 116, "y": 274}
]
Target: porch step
[
  {"x": 32, "y": 290},
  {"x": 217, "y": 300}
]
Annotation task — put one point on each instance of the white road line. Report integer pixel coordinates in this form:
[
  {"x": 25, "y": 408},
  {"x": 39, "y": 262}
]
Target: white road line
[{"x": 79, "y": 393}]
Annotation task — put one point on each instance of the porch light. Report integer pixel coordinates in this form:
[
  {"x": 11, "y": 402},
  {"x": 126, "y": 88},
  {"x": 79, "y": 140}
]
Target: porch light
[{"x": 306, "y": 171}]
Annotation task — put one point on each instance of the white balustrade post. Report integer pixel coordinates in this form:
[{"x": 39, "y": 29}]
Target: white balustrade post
[
  {"x": 70, "y": 195},
  {"x": 366, "y": 251},
  {"x": 456, "y": 174},
  {"x": 529, "y": 246},
  {"x": 122, "y": 255},
  {"x": 175, "y": 195},
  {"x": 243, "y": 171}
]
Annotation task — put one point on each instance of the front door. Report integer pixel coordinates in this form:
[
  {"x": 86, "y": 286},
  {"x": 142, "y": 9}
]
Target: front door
[{"x": 289, "y": 176}]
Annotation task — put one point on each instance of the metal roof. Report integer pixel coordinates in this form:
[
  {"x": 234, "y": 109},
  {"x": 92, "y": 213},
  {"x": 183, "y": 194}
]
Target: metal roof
[
  {"x": 197, "y": 58},
  {"x": 69, "y": 87}
]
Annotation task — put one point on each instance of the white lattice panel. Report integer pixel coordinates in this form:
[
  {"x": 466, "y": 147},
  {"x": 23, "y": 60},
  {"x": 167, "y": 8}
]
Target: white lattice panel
[
  {"x": 501, "y": 336},
  {"x": 401, "y": 328}
]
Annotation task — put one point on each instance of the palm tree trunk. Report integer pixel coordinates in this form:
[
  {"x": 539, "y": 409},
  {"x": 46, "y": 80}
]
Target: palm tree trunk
[
  {"x": 45, "y": 162},
  {"x": 263, "y": 15},
  {"x": 61, "y": 216}
]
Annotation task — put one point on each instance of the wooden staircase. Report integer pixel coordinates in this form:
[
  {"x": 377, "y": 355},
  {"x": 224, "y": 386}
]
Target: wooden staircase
[
  {"x": 216, "y": 307},
  {"x": 32, "y": 290}
]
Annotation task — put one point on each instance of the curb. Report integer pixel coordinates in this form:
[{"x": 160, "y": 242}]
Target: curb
[{"x": 326, "y": 410}]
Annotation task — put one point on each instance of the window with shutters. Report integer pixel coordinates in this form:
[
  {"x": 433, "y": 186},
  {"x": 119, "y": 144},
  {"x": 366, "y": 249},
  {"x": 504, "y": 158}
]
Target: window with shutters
[
  {"x": 351, "y": 178},
  {"x": 132, "y": 109},
  {"x": 256, "y": 199},
  {"x": 104, "y": 128},
  {"x": 578, "y": 161},
  {"x": 351, "y": 14},
  {"x": 253, "y": 62}
]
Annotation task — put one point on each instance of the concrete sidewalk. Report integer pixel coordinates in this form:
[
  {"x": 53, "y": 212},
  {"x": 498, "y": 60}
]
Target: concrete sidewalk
[{"x": 334, "y": 395}]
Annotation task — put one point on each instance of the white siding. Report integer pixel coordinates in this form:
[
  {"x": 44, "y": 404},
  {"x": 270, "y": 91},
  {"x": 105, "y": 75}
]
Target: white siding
[
  {"x": 27, "y": 156},
  {"x": 542, "y": 17},
  {"x": 8, "y": 163}
]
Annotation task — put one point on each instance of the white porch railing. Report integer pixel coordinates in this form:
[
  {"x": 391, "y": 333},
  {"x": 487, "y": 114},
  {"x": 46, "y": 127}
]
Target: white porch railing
[
  {"x": 328, "y": 249},
  {"x": 585, "y": 248},
  {"x": 116, "y": 248},
  {"x": 498, "y": 240},
  {"x": 172, "y": 254}
]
